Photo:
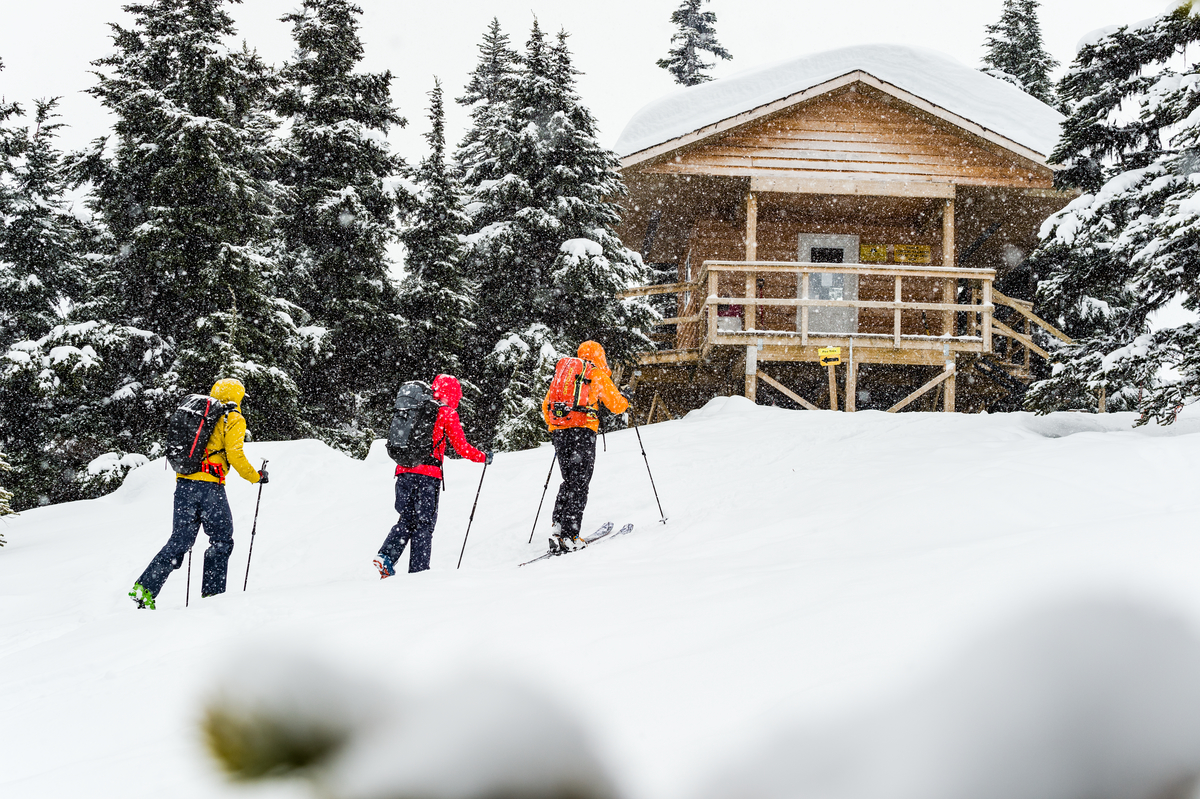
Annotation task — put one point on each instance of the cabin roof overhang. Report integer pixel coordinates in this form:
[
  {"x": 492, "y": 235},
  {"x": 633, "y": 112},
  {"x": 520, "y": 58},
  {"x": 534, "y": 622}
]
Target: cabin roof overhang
[{"x": 699, "y": 136}]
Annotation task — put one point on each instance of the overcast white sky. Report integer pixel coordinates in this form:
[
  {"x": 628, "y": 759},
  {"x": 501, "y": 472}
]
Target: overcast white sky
[{"x": 46, "y": 45}]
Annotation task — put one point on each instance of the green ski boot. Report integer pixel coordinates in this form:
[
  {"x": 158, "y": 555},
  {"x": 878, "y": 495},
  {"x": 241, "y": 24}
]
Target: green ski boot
[{"x": 142, "y": 597}]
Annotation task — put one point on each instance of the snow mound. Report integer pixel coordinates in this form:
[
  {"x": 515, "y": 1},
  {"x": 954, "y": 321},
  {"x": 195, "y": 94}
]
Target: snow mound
[
  {"x": 1092, "y": 700},
  {"x": 989, "y": 102}
]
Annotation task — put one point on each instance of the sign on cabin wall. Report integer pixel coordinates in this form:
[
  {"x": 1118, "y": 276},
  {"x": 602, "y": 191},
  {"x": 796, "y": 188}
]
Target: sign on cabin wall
[
  {"x": 830, "y": 356},
  {"x": 872, "y": 253},
  {"x": 913, "y": 253}
]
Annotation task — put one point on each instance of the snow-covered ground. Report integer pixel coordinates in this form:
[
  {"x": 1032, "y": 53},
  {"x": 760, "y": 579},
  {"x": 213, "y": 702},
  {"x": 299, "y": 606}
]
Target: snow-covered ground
[{"x": 816, "y": 568}]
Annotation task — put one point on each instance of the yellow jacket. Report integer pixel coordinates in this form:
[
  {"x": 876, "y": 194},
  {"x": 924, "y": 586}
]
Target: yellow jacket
[
  {"x": 227, "y": 439},
  {"x": 603, "y": 390}
]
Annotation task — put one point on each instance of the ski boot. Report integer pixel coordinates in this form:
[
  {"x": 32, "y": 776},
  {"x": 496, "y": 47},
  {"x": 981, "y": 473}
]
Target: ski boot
[
  {"x": 385, "y": 566},
  {"x": 142, "y": 597},
  {"x": 561, "y": 542}
]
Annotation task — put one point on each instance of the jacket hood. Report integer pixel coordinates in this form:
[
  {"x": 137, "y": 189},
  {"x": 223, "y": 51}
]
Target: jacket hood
[
  {"x": 229, "y": 389},
  {"x": 446, "y": 390},
  {"x": 592, "y": 351}
]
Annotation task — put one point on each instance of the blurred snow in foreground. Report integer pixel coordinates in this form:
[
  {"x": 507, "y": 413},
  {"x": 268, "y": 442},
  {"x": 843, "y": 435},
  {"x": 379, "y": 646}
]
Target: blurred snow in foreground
[{"x": 1096, "y": 700}]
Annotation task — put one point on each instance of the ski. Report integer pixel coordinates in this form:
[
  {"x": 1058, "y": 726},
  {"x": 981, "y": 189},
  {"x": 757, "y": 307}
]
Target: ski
[
  {"x": 604, "y": 531},
  {"x": 601, "y": 532}
]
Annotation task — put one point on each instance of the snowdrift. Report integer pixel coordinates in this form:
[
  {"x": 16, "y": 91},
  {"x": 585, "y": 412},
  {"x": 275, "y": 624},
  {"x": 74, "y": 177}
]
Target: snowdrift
[{"x": 847, "y": 606}]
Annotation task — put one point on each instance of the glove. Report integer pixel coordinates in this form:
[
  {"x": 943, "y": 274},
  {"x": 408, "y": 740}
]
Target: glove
[
  {"x": 263, "y": 477},
  {"x": 627, "y": 394},
  {"x": 488, "y": 460}
]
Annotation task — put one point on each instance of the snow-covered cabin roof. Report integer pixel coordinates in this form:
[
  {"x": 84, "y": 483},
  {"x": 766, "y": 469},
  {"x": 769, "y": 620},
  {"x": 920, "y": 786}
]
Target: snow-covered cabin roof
[{"x": 1000, "y": 109}]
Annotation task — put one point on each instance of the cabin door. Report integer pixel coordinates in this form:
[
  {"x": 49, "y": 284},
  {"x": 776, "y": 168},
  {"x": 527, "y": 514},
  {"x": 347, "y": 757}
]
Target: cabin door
[{"x": 824, "y": 248}]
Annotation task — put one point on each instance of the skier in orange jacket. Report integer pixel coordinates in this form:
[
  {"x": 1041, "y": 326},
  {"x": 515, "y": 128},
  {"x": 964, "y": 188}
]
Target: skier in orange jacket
[{"x": 572, "y": 413}]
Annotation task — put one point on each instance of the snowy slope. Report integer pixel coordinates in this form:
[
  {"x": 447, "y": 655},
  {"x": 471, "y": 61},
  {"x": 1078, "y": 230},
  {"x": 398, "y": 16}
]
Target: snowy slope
[
  {"x": 936, "y": 77},
  {"x": 814, "y": 563}
]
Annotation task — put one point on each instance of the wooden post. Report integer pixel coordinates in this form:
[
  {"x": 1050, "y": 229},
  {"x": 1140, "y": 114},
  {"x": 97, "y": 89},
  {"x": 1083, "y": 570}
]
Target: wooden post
[
  {"x": 713, "y": 277},
  {"x": 833, "y": 403},
  {"x": 752, "y": 373},
  {"x": 804, "y": 310},
  {"x": 1102, "y": 399},
  {"x": 896, "y": 317},
  {"x": 987, "y": 316},
  {"x": 851, "y": 383},
  {"x": 750, "y": 312},
  {"x": 950, "y": 367},
  {"x": 949, "y": 290}
]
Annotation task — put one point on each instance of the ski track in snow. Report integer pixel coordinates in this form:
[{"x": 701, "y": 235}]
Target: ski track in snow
[{"x": 814, "y": 563}]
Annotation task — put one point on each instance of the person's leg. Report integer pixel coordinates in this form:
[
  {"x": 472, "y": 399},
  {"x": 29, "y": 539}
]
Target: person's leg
[
  {"x": 423, "y": 520},
  {"x": 576, "y": 450},
  {"x": 184, "y": 527},
  {"x": 218, "y": 526},
  {"x": 397, "y": 538}
]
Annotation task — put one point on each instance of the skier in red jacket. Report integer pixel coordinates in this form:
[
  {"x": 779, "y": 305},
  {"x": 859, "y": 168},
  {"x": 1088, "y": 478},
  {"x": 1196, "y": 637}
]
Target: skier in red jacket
[{"x": 417, "y": 486}]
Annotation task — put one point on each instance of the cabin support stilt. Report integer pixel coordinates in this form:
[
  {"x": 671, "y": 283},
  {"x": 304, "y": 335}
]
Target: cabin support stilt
[
  {"x": 950, "y": 286},
  {"x": 787, "y": 392},
  {"x": 752, "y": 373},
  {"x": 750, "y": 311}
]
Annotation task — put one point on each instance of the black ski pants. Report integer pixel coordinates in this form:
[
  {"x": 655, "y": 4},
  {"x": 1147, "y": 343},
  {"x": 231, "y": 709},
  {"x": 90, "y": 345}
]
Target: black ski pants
[
  {"x": 417, "y": 503},
  {"x": 196, "y": 503},
  {"x": 576, "y": 450}
]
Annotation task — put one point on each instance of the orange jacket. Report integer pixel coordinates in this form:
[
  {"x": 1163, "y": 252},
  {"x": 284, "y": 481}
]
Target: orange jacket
[{"x": 603, "y": 390}]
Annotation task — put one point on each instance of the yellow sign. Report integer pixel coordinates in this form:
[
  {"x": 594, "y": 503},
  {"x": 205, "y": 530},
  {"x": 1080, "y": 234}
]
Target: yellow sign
[
  {"x": 872, "y": 253},
  {"x": 913, "y": 254},
  {"x": 830, "y": 356}
]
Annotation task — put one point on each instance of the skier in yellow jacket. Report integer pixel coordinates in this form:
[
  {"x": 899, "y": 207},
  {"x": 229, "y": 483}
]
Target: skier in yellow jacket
[{"x": 200, "y": 500}]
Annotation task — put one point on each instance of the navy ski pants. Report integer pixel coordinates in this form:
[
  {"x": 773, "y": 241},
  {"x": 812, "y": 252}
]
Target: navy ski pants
[
  {"x": 196, "y": 503},
  {"x": 417, "y": 504},
  {"x": 576, "y": 450}
]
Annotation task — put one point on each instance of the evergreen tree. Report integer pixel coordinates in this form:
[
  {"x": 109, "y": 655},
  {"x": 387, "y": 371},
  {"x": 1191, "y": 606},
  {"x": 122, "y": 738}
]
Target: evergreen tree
[
  {"x": 487, "y": 94},
  {"x": 5, "y": 496},
  {"x": 41, "y": 260},
  {"x": 695, "y": 34},
  {"x": 339, "y": 220},
  {"x": 1120, "y": 265},
  {"x": 1015, "y": 52},
  {"x": 71, "y": 388},
  {"x": 189, "y": 205},
  {"x": 436, "y": 295},
  {"x": 544, "y": 252}
]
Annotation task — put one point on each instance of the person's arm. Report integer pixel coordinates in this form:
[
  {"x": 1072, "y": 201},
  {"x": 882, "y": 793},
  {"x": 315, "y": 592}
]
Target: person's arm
[
  {"x": 235, "y": 438},
  {"x": 453, "y": 431},
  {"x": 608, "y": 393}
]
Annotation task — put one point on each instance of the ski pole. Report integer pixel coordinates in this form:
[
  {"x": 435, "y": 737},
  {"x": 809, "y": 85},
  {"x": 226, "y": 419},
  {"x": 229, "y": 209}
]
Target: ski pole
[
  {"x": 253, "y": 529},
  {"x": 472, "y": 519},
  {"x": 647, "y": 460},
  {"x": 187, "y": 595},
  {"x": 543, "y": 499}
]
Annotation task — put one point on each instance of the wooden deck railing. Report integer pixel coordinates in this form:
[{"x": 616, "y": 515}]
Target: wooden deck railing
[{"x": 697, "y": 324}]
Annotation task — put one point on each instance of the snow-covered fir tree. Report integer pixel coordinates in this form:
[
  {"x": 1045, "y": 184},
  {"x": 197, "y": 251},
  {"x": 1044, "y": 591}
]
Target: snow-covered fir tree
[
  {"x": 436, "y": 295},
  {"x": 42, "y": 272},
  {"x": 186, "y": 194},
  {"x": 695, "y": 34},
  {"x": 68, "y": 383},
  {"x": 1014, "y": 50},
  {"x": 5, "y": 495},
  {"x": 339, "y": 218},
  {"x": 544, "y": 252},
  {"x": 487, "y": 94},
  {"x": 1120, "y": 265}
]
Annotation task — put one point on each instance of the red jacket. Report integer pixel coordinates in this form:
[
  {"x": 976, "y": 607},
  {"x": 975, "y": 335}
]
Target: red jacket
[{"x": 448, "y": 428}]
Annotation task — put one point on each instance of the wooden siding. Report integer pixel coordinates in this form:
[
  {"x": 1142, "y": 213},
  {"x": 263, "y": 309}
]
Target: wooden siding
[{"x": 856, "y": 133}]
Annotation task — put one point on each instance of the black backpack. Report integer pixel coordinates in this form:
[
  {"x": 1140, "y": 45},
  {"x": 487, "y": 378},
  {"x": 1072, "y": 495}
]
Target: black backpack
[
  {"x": 414, "y": 416},
  {"x": 191, "y": 426}
]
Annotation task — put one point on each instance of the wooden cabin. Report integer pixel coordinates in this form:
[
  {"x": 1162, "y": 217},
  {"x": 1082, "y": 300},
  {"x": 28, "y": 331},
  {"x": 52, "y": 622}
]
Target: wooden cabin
[{"x": 880, "y": 200}]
